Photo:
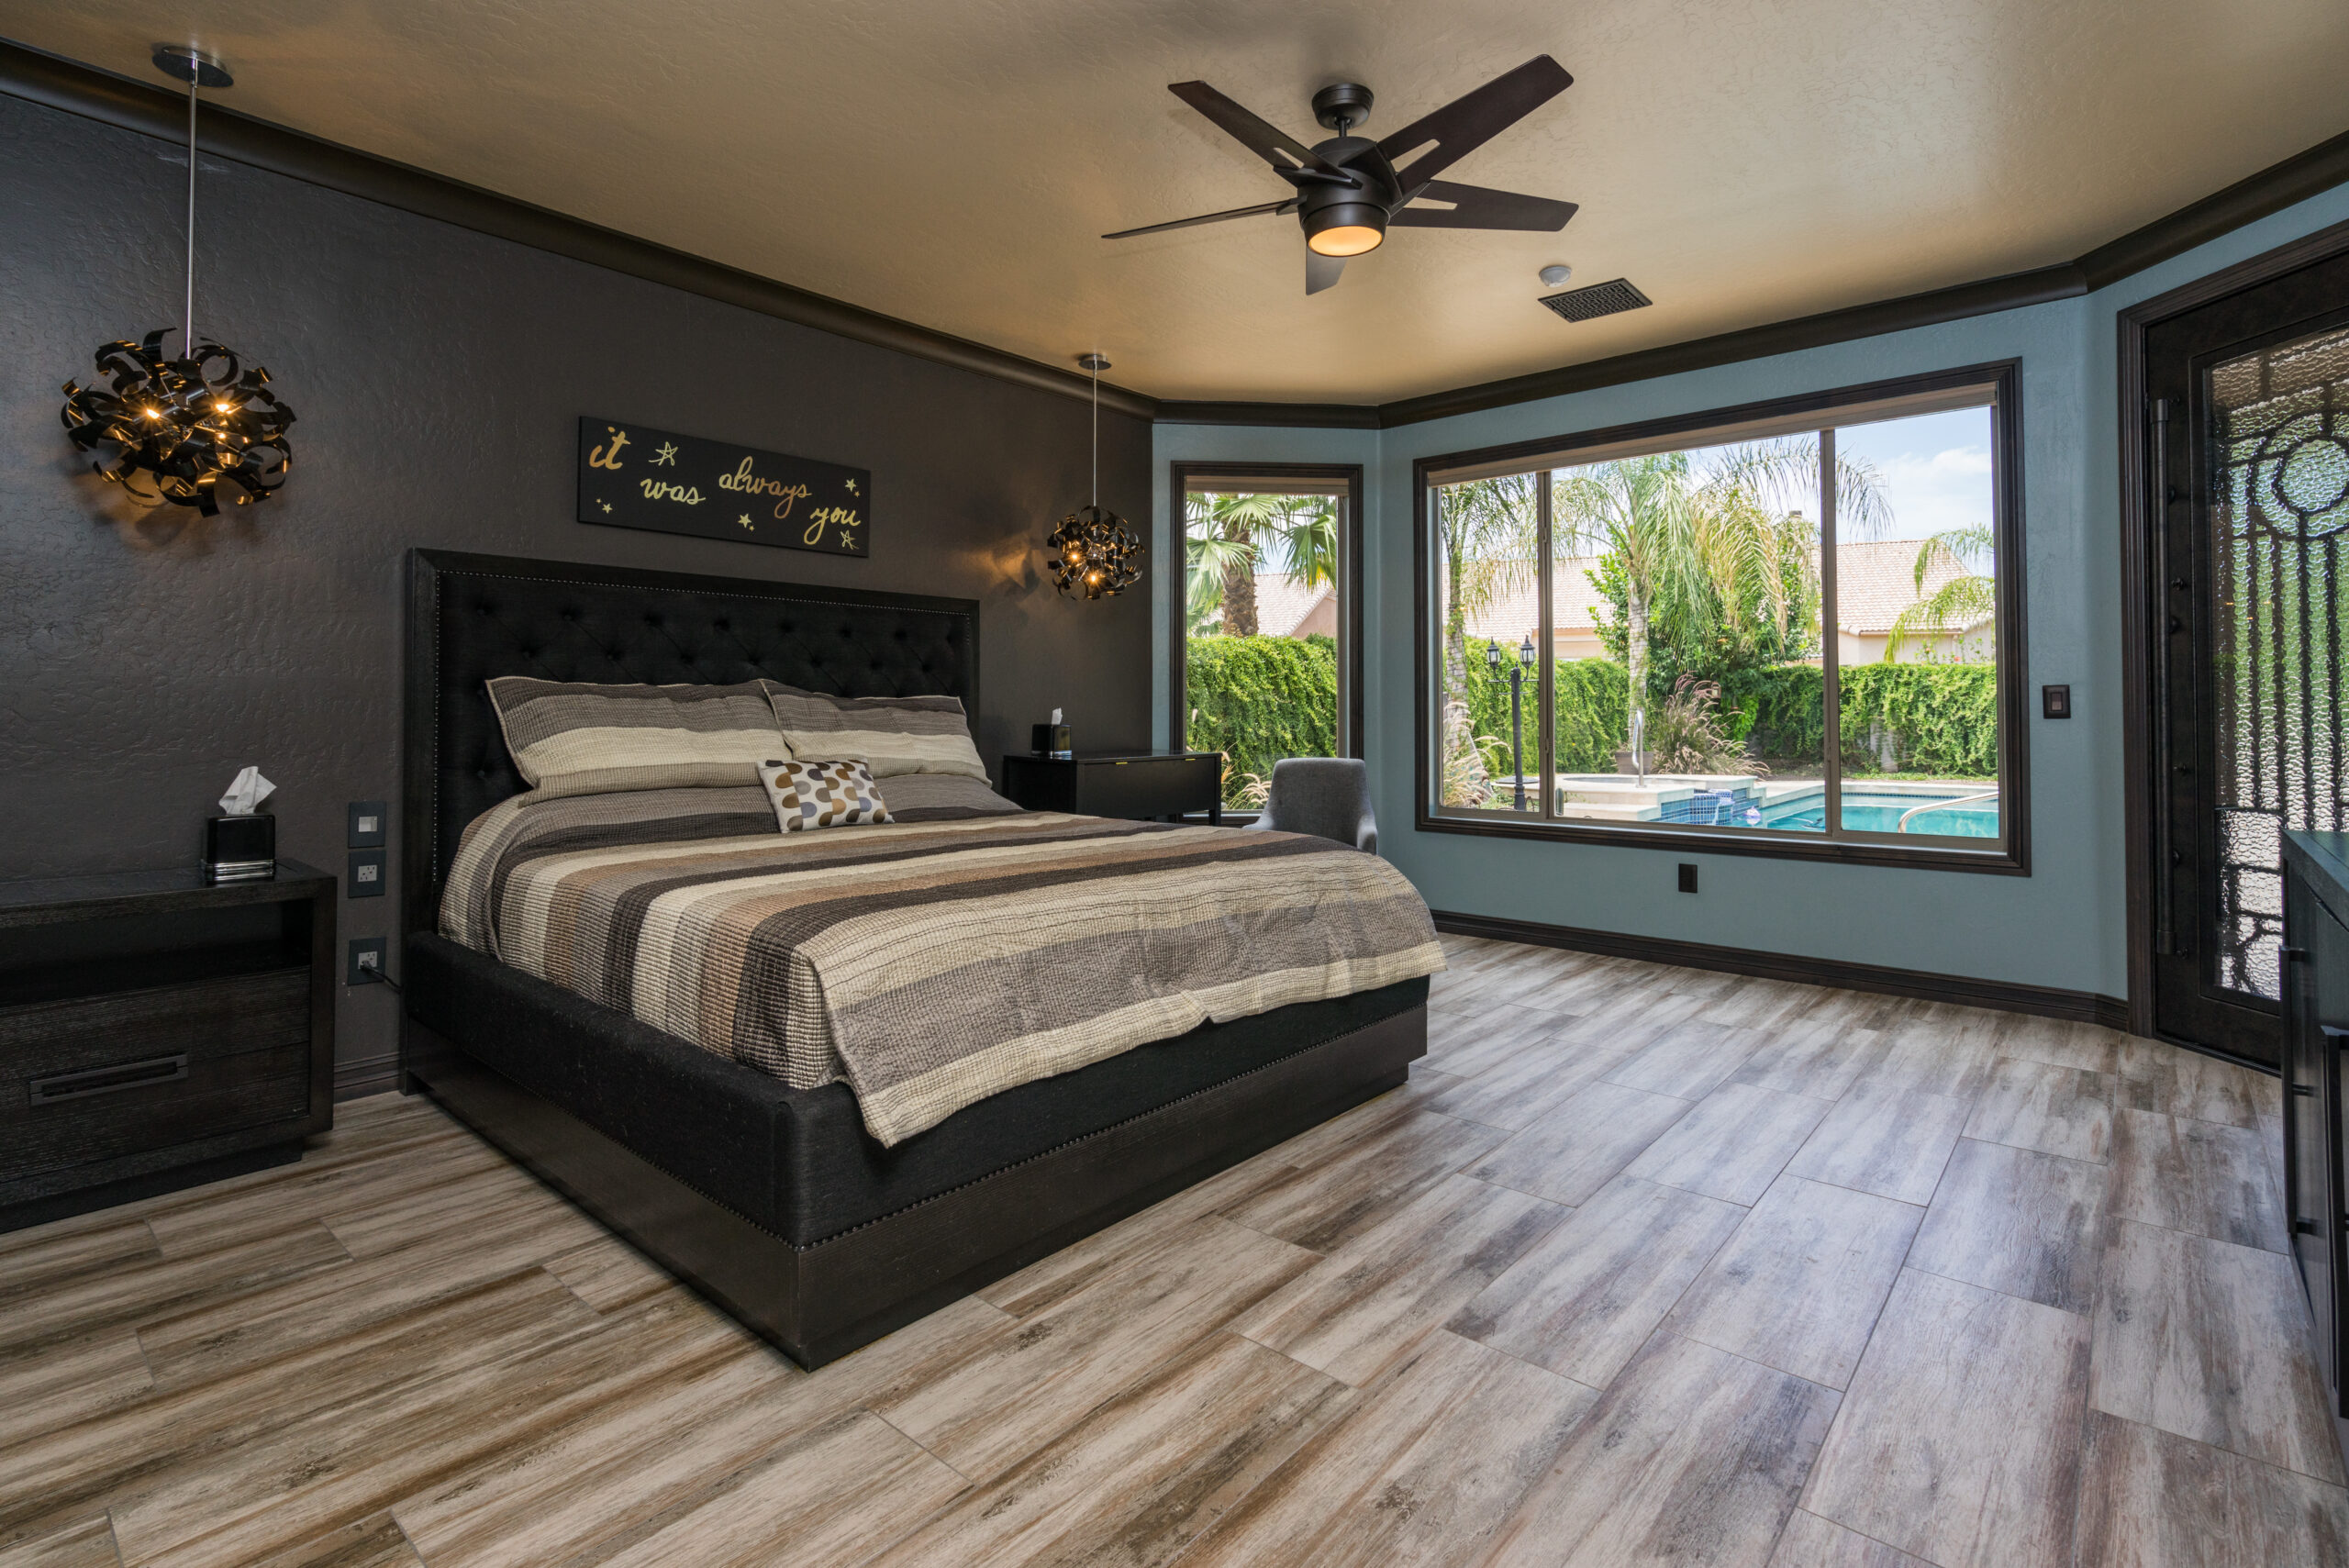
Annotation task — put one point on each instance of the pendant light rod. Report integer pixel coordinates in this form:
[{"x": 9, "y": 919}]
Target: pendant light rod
[
  {"x": 185, "y": 62},
  {"x": 1097, "y": 365},
  {"x": 187, "y": 313}
]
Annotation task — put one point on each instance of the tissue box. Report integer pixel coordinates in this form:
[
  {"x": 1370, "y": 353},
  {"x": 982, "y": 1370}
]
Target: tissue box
[
  {"x": 240, "y": 849},
  {"x": 1051, "y": 740}
]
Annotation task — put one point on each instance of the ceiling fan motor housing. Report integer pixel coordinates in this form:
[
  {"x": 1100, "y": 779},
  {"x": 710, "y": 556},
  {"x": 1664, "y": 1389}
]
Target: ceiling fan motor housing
[{"x": 1346, "y": 216}]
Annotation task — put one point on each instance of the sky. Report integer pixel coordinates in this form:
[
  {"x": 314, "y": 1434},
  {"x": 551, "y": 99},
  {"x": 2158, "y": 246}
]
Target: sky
[{"x": 1935, "y": 468}]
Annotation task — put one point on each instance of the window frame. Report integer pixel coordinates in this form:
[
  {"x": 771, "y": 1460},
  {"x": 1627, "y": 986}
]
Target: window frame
[
  {"x": 1711, "y": 426},
  {"x": 1182, "y": 475}
]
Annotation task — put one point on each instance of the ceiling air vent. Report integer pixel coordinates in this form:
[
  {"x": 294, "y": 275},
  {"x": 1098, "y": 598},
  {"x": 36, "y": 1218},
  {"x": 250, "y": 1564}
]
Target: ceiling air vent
[{"x": 1598, "y": 300}]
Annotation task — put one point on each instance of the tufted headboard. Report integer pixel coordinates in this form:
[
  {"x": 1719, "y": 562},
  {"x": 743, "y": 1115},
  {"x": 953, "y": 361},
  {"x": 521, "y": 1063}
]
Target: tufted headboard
[{"x": 472, "y": 617}]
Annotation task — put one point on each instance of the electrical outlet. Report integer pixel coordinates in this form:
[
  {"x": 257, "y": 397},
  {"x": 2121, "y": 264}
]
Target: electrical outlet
[
  {"x": 367, "y": 822},
  {"x": 366, "y": 953},
  {"x": 367, "y": 872},
  {"x": 1688, "y": 878}
]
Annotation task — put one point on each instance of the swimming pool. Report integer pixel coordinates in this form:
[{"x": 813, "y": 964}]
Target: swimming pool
[{"x": 1865, "y": 811}]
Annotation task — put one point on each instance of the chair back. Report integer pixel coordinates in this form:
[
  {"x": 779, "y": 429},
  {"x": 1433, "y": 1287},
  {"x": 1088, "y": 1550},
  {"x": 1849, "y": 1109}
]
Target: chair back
[{"x": 1327, "y": 796}]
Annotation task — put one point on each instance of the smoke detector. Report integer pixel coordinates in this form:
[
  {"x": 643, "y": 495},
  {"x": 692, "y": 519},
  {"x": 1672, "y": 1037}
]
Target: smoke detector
[{"x": 1555, "y": 274}]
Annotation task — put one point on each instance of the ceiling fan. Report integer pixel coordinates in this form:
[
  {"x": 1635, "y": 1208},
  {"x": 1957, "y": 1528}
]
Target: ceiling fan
[{"x": 1349, "y": 188}]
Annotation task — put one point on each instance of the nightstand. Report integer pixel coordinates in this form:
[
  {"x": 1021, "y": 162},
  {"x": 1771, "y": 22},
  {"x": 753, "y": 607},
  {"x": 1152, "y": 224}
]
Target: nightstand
[
  {"x": 157, "y": 1031},
  {"x": 1119, "y": 784}
]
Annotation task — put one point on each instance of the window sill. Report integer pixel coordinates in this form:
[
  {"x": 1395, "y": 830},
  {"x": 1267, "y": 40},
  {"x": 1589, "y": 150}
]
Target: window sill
[{"x": 2003, "y": 861}]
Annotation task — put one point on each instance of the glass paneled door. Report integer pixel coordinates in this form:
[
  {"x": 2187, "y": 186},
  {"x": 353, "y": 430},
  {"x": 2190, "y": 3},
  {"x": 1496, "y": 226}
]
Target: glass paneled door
[{"x": 2249, "y": 412}]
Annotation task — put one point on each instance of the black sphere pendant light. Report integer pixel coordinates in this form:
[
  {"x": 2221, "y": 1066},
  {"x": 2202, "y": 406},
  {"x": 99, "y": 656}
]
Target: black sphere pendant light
[
  {"x": 1100, "y": 554},
  {"x": 197, "y": 429}
]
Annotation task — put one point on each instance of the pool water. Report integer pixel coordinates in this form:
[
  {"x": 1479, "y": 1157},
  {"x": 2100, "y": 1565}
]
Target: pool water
[
  {"x": 1866, "y": 813},
  {"x": 1863, "y": 812}
]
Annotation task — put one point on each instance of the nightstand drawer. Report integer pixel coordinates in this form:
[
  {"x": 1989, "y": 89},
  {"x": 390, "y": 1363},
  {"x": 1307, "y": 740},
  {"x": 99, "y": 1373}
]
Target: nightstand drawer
[
  {"x": 96, "y": 1116},
  {"x": 204, "y": 1020}
]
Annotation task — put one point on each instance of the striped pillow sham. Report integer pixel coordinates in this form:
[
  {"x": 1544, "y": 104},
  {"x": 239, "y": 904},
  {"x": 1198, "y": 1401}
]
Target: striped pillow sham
[
  {"x": 576, "y": 738},
  {"x": 893, "y": 736}
]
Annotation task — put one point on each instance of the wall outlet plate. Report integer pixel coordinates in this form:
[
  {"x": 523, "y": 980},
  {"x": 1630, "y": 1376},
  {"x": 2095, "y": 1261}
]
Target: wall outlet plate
[
  {"x": 1687, "y": 877},
  {"x": 364, "y": 947},
  {"x": 368, "y": 874},
  {"x": 369, "y": 824}
]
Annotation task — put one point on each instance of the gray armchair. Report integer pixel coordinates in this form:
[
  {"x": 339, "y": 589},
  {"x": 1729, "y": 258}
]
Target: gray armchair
[{"x": 1327, "y": 796}]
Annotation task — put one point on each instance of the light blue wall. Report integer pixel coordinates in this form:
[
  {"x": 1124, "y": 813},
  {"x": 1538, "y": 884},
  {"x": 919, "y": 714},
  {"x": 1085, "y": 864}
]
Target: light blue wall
[{"x": 2065, "y": 924}]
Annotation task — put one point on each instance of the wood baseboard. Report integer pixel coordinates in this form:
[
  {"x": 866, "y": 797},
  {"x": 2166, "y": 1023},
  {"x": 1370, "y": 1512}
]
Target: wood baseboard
[
  {"x": 2044, "y": 1001},
  {"x": 368, "y": 1076}
]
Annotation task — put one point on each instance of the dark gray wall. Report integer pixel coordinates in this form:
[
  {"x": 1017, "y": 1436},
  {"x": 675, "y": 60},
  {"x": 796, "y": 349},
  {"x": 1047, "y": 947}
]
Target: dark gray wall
[{"x": 145, "y": 654}]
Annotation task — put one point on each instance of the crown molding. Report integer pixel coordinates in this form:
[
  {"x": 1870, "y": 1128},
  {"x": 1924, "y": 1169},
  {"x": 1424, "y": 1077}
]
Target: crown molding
[
  {"x": 57, "y": 82},
  {"x": 2273, "y": 188},
  {"x": 1314, "y": 416}
]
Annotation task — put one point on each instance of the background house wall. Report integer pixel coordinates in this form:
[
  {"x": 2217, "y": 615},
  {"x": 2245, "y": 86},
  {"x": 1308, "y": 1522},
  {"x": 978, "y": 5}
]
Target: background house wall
[
  {"x": 2062, "y": 925},
  {"x": 436, "y": 373}
]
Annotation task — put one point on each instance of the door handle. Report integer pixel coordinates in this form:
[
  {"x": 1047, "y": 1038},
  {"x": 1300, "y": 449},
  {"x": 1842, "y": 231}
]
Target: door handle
[{"x": 2164, "y": 856}]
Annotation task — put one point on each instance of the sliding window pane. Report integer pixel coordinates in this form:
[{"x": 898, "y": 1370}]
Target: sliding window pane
[
  {"x": 1686, "y": 627},
  {"x": 1260, "y": 602},
  {"x": 1916, "y": 644},
  {"x": 1486, "y": 713}
]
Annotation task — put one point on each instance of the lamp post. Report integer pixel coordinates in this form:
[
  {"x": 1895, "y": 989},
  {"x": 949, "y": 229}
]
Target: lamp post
[{"x": 1516, "y": 706}]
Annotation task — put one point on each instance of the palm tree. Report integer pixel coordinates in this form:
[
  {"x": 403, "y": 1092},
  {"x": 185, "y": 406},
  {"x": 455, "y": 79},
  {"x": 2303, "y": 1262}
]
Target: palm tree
[
  {"x": 1231, "y": 536},
  {"x": 1486, "y": 529},
  {"x": 1694, "y": 544},
  {"x": 1966, "y": 599}
]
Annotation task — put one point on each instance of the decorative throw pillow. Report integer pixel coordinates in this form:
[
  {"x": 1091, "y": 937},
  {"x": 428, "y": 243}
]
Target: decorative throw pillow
[
  {"x": 822, "y": 794},
  {"x": 576, "y": 738},
  {"x": 893, "y": 734}
]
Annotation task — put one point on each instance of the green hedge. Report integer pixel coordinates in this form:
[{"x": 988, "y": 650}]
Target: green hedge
[
  {"x": 1594, "y": 708},
  {"x": 1258, "y": 700},
  {"x": 1940, "y": 718}
]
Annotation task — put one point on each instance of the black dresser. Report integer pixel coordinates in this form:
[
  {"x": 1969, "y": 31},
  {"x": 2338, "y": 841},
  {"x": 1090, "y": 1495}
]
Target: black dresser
[
  {"x": 157, "y": 1031},
  {"x": 2316, "y": 1026},
  {"x": 1117, "y": 783}
]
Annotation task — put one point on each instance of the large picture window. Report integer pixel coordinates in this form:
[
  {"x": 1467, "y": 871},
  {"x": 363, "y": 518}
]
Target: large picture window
[
  {"x": 1788, "y": 629},
  {"x": 1266, "y": 652}
]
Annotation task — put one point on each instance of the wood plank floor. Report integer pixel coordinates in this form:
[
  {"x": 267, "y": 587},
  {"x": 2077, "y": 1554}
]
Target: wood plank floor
[{"x": 1644, "y": 1266}]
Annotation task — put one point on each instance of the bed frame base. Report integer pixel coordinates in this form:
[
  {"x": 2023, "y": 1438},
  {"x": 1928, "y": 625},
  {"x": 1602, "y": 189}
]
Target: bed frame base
[{"x": 818, "y": 1303}]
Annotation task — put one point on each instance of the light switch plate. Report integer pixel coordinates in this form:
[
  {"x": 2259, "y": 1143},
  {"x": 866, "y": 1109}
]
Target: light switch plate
[
  {"x": 2055, "y": 702},
  {"x": 367, "y": 875},
  {"x": 369, "y": 822}
]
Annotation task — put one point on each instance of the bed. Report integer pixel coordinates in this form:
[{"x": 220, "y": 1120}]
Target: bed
[{"x": 818, "y": 1216}]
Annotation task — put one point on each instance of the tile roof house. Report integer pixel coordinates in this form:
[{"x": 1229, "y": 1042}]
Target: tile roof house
[
  {"x": 1875, "y": 582},
  {"x": 1287, "y": 607}
]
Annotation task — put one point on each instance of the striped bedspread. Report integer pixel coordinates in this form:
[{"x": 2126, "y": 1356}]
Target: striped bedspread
[{"x": 932, "y": 962}]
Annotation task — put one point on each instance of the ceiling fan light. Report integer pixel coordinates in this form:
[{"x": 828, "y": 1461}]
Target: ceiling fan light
[
  {"x": 1345, "y": 229},
  {"x": 1350, "y": 240}
]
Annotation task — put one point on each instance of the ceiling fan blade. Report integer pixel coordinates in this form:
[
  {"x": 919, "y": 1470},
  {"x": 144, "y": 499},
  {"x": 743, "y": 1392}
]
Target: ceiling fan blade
[
  {"x": 1321, "y": 271},
  {"x": 1289, "y": 205},
  {"x": 1467, "y": 122},
  {"x": 1268, "y": 141},
  {"x": 1473, "y": 207}
]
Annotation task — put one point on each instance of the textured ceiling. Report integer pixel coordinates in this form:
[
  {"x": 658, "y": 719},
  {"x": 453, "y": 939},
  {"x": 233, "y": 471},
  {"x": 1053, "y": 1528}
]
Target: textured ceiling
[{"x": 953, "y": 162}]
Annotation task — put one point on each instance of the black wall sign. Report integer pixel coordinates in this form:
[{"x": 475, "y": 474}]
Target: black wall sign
[{"x": 631, "y": 476}]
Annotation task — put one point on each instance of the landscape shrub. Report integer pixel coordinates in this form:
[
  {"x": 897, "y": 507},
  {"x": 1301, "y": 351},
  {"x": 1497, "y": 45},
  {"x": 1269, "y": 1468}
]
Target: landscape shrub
[{"x": 1258, "y": 700}]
